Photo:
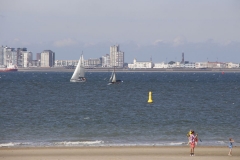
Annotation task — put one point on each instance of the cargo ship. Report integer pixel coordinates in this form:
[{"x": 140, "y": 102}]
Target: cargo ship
[{"x": 10, "y": 68}]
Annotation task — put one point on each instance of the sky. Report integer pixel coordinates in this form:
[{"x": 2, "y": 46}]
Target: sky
[{"x": 206, "y": 30}]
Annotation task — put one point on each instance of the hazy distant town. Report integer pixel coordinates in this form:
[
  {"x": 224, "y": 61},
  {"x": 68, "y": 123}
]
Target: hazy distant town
[{"x": 22, "y": 58}]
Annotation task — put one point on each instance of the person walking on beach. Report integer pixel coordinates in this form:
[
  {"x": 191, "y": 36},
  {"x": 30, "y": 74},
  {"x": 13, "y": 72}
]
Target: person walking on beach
[
  {"x": 192, "y": 139},
  {"x": 230, "y": 146}
]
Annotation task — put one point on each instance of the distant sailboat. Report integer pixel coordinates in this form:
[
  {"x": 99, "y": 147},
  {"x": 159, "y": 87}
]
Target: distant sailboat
[
  {"x": 113, "y": 79},
  {"x": 79, "y": 73}
]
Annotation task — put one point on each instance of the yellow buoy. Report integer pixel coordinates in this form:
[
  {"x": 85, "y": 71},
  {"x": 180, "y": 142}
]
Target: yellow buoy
[{"x": 150, "y": 97}]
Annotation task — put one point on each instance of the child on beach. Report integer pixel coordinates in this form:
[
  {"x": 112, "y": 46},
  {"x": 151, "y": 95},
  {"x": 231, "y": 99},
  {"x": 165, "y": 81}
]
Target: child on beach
[
  {"x": 230, "y": 146},
  {"x": 191, "y": 141}
]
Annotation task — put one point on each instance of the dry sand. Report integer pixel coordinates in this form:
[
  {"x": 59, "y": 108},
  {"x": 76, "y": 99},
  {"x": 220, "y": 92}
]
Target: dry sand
[{"x": 117, "y": 153}]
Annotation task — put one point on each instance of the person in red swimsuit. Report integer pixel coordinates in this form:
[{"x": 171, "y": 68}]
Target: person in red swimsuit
[{"x": 192, "y": 139}]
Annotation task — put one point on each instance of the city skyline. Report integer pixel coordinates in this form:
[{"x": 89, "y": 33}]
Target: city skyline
[{"x": 203, "y": 30}]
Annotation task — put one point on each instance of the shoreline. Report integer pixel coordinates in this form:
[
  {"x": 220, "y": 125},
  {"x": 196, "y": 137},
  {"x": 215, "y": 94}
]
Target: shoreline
[
  {"x": 62, "y": 69},
  {"x": 109, "y": 153}
]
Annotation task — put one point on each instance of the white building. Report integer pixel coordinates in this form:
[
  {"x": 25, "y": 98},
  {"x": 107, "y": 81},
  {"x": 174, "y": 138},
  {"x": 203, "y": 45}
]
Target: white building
[
  {"x": 9, "y": 56},
  {"x": 201, "y": 65},
  {"x": 106, "y": 61},
  {"x": 61, "y": 63},
  {"x": 189, "y": 65},
  {"x": 1, "y": 55},
  {"x": 116, "y": 56},
  {"x": 91, "y": 63},
  {"x": 140, "y": 64},
  {"x": 160, "y": 65},
  {"x": 47, "y": 58},
  {"x": 27, "y": 58},
  {"x": 232, "y": 65}
]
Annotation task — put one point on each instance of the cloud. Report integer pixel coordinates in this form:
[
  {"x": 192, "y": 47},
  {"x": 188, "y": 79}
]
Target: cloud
[
  {"x": 64, "y": 42},
  {"x": 156, "y": 42},
  {"x": 180, "y": 40}
]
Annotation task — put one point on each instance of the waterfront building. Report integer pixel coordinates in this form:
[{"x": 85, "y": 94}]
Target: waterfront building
[
  {"x": 20, "y": 56},
  {"x": 136, "y": 64},
  {"x": 26, "y": 59},
  {"x": 91, "y": 63},
  {"x": 201, "y": 64},
  {"x": 160, "y": 65},
  {"x": 106, "y": 61},
  {"x": 190, "y": 65},
  {"x": 216, "y": 65},
  {"x": 35, "y": 63},
  {"x": 9, "y": 56},
  {"x": 64, "y": 63},
  {"x": 232, "y": 65},
  {"x": 116, "y": 57},
  {"x": 47, "y": 58},
  {"x": 1, "y": 55}
]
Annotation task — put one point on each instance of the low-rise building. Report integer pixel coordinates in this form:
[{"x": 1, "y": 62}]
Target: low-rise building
[
  {"x": 201, "y": 65},
  {"x": 160, "y": 65},
  {"x": 232, "y": 65},
  {"x": 136, "y": 64}
]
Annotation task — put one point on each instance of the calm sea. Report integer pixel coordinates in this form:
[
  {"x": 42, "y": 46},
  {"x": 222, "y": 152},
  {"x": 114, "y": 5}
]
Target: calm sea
[{"x": 45, "y": 109}]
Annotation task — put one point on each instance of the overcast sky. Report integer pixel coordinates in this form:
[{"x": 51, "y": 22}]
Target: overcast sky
[{"x": 161, "y": 29}]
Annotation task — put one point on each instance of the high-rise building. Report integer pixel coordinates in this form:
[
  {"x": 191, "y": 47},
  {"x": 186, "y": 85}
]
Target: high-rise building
[
  {"x": 20, "y": 56},
  {"x": 9, "y": 56},
  {"x": 47, "y": 58},
  {"x": 1, "y": 55},
  {"x": 26, "y": 58},
  {"x": 116, "y": 56}
]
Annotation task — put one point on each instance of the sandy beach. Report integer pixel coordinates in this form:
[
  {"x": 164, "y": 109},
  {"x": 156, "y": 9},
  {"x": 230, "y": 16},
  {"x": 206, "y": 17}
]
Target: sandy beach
[{"x": 117, "y": 153}]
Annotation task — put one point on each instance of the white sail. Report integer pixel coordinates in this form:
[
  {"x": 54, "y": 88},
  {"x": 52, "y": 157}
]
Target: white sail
[
  {"x": 113, "y": 77},
  {"x": 110, "y": 79},
  {"x": 82, "y": 68},
  {"x": 79, "y": 70}
]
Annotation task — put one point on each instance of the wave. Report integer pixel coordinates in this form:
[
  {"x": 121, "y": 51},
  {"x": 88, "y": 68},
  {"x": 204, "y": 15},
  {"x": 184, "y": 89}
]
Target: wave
[
  {"x": 79, "y": 143},
  {"x": 97, "y": 143}
]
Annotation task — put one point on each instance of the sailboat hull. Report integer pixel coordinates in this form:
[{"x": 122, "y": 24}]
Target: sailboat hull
[
  {"x": 78, "y": 80},
  {"x": 117, "y": 82}
]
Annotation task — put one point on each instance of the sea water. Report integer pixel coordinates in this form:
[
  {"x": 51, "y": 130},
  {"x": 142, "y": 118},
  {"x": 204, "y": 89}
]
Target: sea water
[{"x": 45, "y": 109}]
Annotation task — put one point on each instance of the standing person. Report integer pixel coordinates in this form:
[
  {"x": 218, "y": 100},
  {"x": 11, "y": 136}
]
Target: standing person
[
  {"x": 192, "y": 143},
  {"x": 230, "y": 146}
]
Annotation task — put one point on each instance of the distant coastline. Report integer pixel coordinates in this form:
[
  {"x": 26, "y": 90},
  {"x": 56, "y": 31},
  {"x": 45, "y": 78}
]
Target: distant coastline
[{"x": 62, "y": 69}]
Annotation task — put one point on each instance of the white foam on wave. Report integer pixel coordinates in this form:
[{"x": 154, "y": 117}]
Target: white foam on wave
[
  {"x": 176, "y": 143},
  {"x": 221, "y": 142},
  {"x": 14, "y": 144},
  {"x": 79, "y": 143},
  {"x": 10, "y": 144}
]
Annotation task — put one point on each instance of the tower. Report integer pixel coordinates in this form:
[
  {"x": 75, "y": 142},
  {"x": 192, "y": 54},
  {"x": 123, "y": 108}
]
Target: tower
[{"x": 182, "y": 57}]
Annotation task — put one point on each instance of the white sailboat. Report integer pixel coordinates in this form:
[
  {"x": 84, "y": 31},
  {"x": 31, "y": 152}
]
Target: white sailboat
[
  {"x": 113, "y": 79},
  {"x": 79, "y": 73}
]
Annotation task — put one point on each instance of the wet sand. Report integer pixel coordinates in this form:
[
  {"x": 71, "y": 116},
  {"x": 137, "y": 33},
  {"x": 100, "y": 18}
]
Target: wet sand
[{"x": 118, "y": 153}]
